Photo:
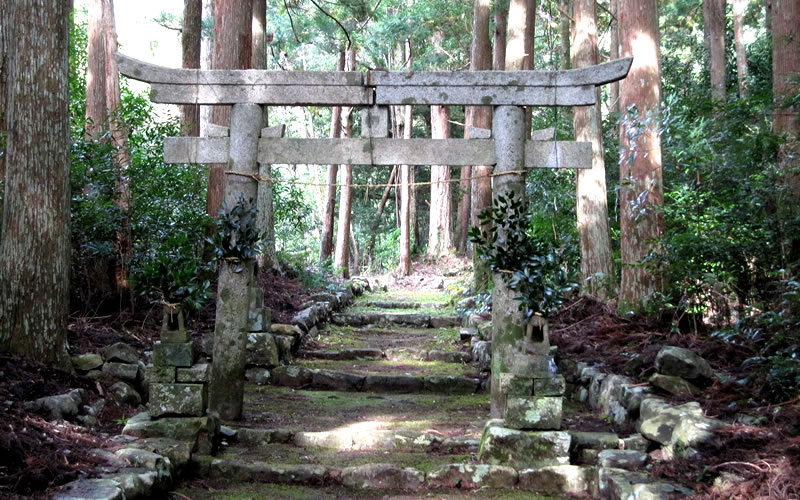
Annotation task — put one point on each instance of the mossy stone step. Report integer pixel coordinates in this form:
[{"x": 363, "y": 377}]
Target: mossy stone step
[
  {"x": 403, "y": 319},
  {"x": 300, "y": 377},
  {"x": 385, "y": 304},
  {"x": 393, "y": 354}
]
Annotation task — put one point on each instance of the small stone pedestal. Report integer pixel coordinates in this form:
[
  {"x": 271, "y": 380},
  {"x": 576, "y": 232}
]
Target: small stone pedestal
[{"x": 178, "y": 387}]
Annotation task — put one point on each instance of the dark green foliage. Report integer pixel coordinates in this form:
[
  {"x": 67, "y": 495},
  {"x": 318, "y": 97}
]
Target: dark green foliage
[
  {"x": 237, "y": 239},
  {"x": 525, "y": 263}
]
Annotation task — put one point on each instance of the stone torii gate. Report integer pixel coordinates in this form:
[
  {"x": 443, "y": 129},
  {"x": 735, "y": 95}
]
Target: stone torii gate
[{"x": 515, "y": 352}]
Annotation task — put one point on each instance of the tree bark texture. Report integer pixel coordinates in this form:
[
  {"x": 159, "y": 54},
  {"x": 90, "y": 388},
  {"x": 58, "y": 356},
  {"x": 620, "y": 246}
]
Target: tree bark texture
[
  {"x": 714, "y": 19},
  {"x": 265, "y": 219},
  {"x": 96, "y": 109},
  {"x": 641, "y": 191},
  {"x": 500, "y": 28},
  {"x": 785, "y": 67},
  {"x": 35, "y": 237},
  {"x": 565, "y": 11},
  {"x": 190, "y": 47},
  {"x": 387, "y": 191},
  {"x": 481, "y": 117},
  {"x": 614, "y": 54},
  {"x": 406, "y": 176},
  {"x": 592, "y": 202},
  {"x": 342, "y": 256},
  {"x": 739, "y": 7},
  {"x": 329, "y": 213},
  {"x": 441, "y": 218},
  {"x": 232, "y": 50}
]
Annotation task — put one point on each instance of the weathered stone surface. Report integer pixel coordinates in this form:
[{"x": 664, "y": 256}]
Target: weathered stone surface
[
  {"x": 596, "y": 440},
  {"x": 87, "y": 362},
  {"x": 125, "y": 393},
  {"x": 62, "y": 406},
  {"x": 622, "y": 459},
  {"x": 291, "y": 376},
  {"x": 175, "y": 336},
  {"x": 178, "y": 452},
  {"x": 196, "y": 373},
  {"x": 444, "y": 321},
  {"x": 258, "y": 376},
  {"x": 262, "y": 350},
  {"x": 618, "y": 483},
  {"x": 177, "y": 399},
  {"x": 501, "y": 445},
  {"x": 173, "y": 354},
  {"x": 659, "y": 491},
  {"x": 482, "y": 354},
  {"x": 674, "y": 385},
  {"x": 610, "y": 397},
  {"x": 533, "y": 412},
  {"x": 137, "y": 482},
  {"x": 632, "y": 398},
  {"x": 393, "y": 383},
  {"x": 659, "y": 422},
  {"x": 164, "y": 374},
  {"x": 549, "y": 386},
  {"x": 382, "y": 476},
  {"x": 681, "y": 362},
  {"x": 202, "y": 432},
  {"x": 515, "y": 385},
  {"x": 558, "y": 480},
  {"x": 261, "y": 437},
  {"x": 451, "y": 385},
  {"x": 472, "y": 476},
  {"x": 595, "y": 383},
  {"x": 449, "y": 356},
  {"x": 306, "y": 318},
  {"x": 122, "y": 371},
  {"x": 402, "y": 353},
  {"x": 96, "y": 489},
  {"x": 239, "y": 470},
  {"x": 337, "y": 381},
  {"x": 121, "y": 352},
  {"x": 335, "y": 440},
  {"x": 146, "y": 459},
  {"x": 635, "y": 442},
  {"x": 459, "y": 445},
  {"x": 286, "y": 348},
  {"x": 259, "y": 320},
  {"x": 345, "y": 354},
  {"x": 281, "y": 329}
]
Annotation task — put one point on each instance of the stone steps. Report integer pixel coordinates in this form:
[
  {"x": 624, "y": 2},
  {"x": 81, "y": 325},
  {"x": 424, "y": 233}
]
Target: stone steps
[
  {"x": 379, "y": 304},
  {"x": 301, "y": 377},
  {"x": 418, "y": 320},
  {"x": 392, "y": 354}
]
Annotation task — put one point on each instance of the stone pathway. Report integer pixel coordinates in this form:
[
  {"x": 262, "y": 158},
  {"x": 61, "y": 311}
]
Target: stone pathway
[{"x": 386, "y": 402}]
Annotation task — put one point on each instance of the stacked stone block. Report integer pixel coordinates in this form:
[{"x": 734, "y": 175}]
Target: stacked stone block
[{"x": 178, "y": 386}]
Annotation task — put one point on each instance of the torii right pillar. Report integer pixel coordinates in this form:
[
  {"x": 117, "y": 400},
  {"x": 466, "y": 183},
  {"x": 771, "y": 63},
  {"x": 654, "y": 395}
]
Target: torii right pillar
[{"x": 525, "y": 391}]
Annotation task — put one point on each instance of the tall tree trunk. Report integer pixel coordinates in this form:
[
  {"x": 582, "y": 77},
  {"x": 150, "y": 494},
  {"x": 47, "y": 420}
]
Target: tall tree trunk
[
  {"x": 592, "y": 205},
  {"x": 500, "y": 27},
  {"x": 233, "y": 46},
  {"x": 122, "y": 156},
  {"x": 326, "y": 245},
  {"x": 614, "y": 54},
  {"x": 527, "y": 62},
  {"x": 785, "y": 87},
  {"x": 564, "y": 22},
  {"x": 190, "y": 45},
  {"x": 641, "y": 220},
  {"x": 406, "y": 176},
  {"x": 342, "y": 257},
  {"x": 35, "y": 237},
  {"x": 481, "y": 117},
  {"x": 440, "y": 227},
  {"x": 265, "y": 218},
  {"x": 96, "y": 109},
  {"x": 714, "y": 19},
  {"x": 739, "y": 7}
]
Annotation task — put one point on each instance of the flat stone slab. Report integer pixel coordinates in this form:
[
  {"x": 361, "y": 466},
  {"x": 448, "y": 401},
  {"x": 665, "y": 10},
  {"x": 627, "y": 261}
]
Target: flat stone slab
[
  {"x": 533, "y": 412},
  {"x": 335, "y": 380},
  {"x": 99, "y": 489},
  {"x": 472, "y": 476},
  {"x": 343, "y": 354},
  {"x": 594, "y": 440},
  {"x": 259, "y": 472},
  {"x": 201, "y": 432},
  {"x": 383, "y": 476},
  {"x": 178, "y": 399},
  {"x": 622, "y": 459},
  {"x": 503, "y": 446},
  {"x": 393, "y": 383},
  {"x": 558, "y": 480}
]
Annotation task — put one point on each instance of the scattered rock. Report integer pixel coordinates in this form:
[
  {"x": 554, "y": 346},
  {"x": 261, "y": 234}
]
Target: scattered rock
[
  {"x": 258, "y": 376},
  {"x": 681, "y": 362},
  {"x": 557, "y": 480},
  {"x": 122, "y": 371},
  {"x": 472, "y": 476},
  {"x": 482, "y": 354},
  {"x": 337, "y": 381},
  {"x": 262, "y": 350},
  {"x": 676, "y": 386},
  {"x": 659, "y": 421},
  {"x": 87, "y": 362},
  {"x": 121, "y": 352},
  {"x": 291, "y": 376},
  {"x": 59, "y": 407},
  {"x": 126, "y": 394},
  {"x": 99, "y": 489}
]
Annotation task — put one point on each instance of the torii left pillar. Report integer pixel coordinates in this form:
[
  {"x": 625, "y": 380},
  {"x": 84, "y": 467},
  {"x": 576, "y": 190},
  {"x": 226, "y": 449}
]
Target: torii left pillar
[{"x": 226, "y": 389}]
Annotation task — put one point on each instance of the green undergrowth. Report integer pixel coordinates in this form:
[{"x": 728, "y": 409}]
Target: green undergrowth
[
  {"x": 387, "y": 367},
  {"x": 314, "y": 411},
  {"x": 421, "y": 296},
  {"x": 225, "y": 490}
]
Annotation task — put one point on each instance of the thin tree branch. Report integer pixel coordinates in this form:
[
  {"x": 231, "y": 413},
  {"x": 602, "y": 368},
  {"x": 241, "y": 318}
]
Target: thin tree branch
[
  {"x": 291, "y": 21},
  {"x": 346, "y": 34}
]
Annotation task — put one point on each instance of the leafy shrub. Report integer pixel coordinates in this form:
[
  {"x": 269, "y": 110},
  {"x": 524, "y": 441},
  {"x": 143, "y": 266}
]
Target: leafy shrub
[
  {"x": 237, "y": 240},
  {"x": 527, "y": 266}
]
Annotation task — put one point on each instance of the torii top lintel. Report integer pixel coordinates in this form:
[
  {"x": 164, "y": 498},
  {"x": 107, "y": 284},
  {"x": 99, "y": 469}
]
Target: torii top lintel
[{"x": 574, "y": 87}]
